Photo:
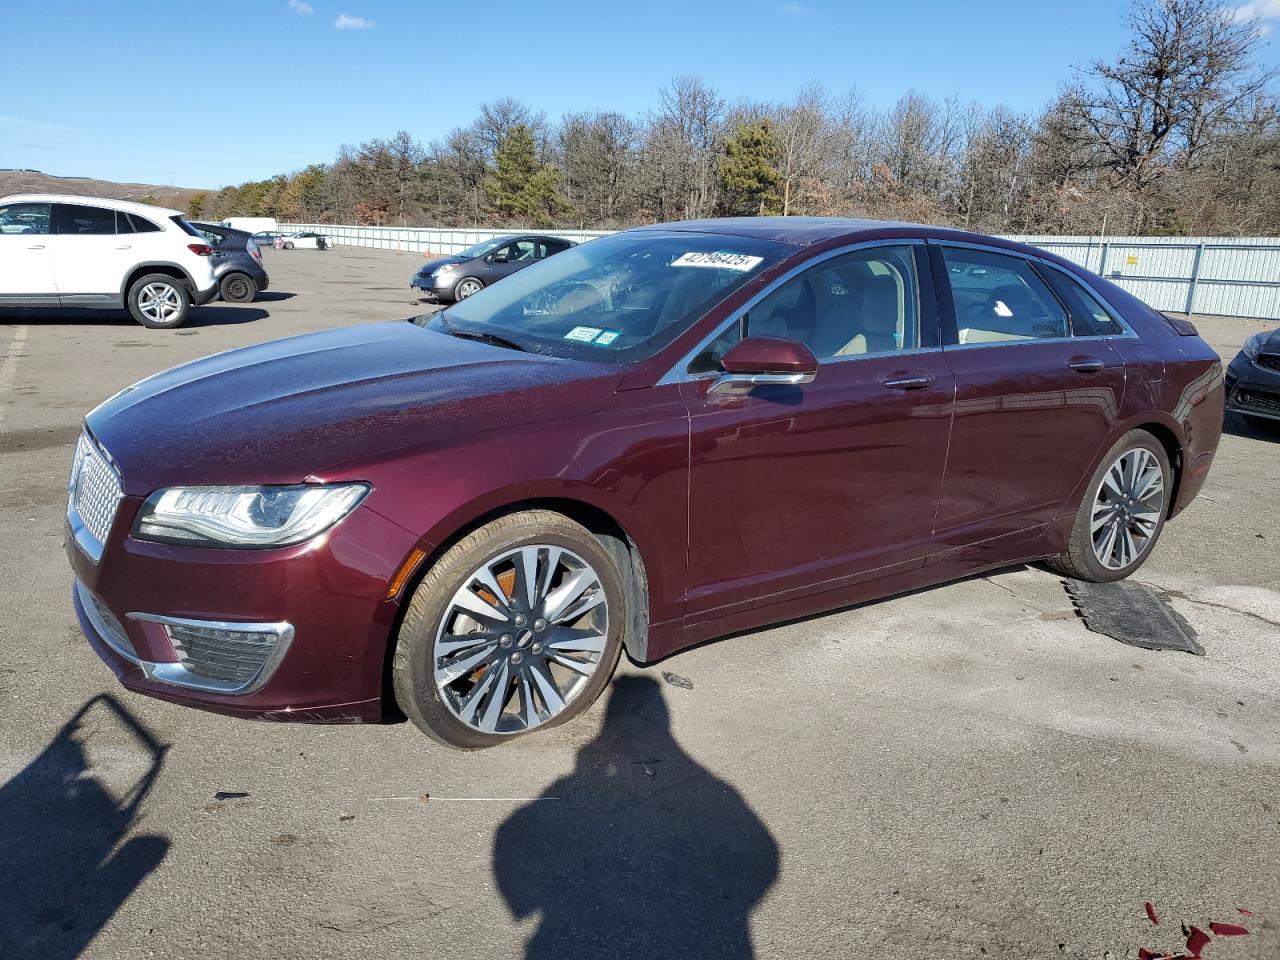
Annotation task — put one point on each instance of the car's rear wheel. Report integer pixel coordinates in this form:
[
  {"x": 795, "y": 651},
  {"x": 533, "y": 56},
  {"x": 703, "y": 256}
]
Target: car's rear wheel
[
  {"x": 159, "y": 301},
  {"x": 1122, "y": 513},
  {"x": 516, "y": 627},
  {"x": 466, "y": 287},
  {"x": 238, "y": 288}
]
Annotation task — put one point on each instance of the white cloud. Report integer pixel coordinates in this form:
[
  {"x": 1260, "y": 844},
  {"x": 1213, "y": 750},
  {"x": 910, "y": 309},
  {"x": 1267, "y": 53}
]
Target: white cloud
[
  {"x": 792, "y": 9},
  {"x": 301, "y": 7},
  {"x": 1257, "y": 10},
  {"x": 345, "y": 22}
]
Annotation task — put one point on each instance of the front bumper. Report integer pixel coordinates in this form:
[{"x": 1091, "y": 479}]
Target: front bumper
[
  {"x": 440, "y": 290},
  {"x": 325, "y": 599},
  {"x": 1253, "y": 389}
]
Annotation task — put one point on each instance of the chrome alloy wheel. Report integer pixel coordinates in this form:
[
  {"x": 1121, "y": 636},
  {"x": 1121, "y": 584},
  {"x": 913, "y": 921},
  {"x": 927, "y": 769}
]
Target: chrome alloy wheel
[
  {"x": 1127, "y": 510},
  {"x": 468, "y": 287},
  {"x": 159, "y": 302},
  {"x": 520, "y": 639}
]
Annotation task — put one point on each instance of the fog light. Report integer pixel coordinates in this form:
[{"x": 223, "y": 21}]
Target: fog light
[{"x": 218, "y": 656}]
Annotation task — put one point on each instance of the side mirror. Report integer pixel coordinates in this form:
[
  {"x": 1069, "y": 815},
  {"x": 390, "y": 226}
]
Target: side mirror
[
  {"x": 498, "y": 256},
  {"x": 761, "y": 361}
]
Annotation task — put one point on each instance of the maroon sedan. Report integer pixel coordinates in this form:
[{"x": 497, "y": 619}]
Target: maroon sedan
[{"x": 655, "y": 438}]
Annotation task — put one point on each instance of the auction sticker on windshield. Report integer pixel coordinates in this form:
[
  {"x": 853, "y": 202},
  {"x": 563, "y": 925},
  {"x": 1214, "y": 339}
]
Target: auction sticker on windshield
[
  {"x": 720, "y": 259},
  {"x": 583, "y": 334}
]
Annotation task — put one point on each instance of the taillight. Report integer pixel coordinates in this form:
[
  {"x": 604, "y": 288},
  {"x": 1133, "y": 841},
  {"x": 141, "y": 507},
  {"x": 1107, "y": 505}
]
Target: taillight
[{"x": 200, "y": 249}]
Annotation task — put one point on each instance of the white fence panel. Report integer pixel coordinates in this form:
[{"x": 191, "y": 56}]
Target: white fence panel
[{"x": 1229, "y": 276}]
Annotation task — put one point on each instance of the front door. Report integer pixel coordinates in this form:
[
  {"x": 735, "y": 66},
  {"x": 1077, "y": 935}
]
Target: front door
[
  {"x": 798, "y": 489},
  {"x": 93, "y": 257},
  {"x": 27, "y": 254},
  {"x": 1037, "y": 395}
]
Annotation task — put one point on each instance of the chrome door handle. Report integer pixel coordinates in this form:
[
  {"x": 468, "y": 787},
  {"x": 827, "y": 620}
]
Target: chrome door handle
[
  {"x": 36, "y": 246},
  {"x": 124, "y": 246},
  {"x": 914, "y": 382},
  {"x": 1086, "y": 365}
]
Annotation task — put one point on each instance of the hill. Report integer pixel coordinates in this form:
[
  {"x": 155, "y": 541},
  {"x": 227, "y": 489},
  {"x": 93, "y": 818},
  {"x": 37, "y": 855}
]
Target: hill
[{"x": 33, "y": 181}]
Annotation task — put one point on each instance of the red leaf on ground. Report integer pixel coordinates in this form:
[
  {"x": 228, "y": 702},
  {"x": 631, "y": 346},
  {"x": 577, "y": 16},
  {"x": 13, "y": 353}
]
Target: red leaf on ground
[
  {"x": 1151, "y": 912},
  {"x": 1228, "y": 930},
  {"x": 1197, "y": 941},
  {"x": 1244, "y": 912}
]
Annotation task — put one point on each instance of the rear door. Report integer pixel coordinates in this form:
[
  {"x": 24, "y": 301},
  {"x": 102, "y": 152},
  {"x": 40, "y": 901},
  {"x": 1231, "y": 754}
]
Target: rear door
[
  {"x": 1038, "y": 392},
  {"x": 93, "y": 254},
  {"x": 27, "y": 254}
]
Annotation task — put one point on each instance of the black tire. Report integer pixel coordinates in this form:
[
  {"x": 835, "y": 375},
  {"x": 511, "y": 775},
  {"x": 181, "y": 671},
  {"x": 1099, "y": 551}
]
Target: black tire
[
  {"x": 467, "y": 287},
  {"x": 413, "y": 674},
  {"x": 321, "y": 244},
  {"x": 1079, "y": 560},
  {"x": 288, "y": 245},
  {"x": 145, "y": 294},
  {"x": 238, "y": 288}
]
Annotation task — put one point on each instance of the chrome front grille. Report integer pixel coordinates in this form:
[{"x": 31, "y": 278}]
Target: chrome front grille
[{"x": 93, "y": 496}]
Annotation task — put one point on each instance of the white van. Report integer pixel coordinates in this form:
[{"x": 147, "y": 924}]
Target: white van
[{"x": 252, "y": 224}]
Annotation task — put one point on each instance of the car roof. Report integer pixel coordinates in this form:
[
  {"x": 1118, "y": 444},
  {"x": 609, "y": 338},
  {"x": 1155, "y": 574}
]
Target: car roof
[
  {"x": 128, "y": 206},
  {"x": 805, "y": 231}
]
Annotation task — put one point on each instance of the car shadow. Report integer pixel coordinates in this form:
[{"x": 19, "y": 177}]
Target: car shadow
[
  {"x": 1238, "y": 425},
  {"x": 209, "y": 315},
  {"x": 640, "y": 851},
  {"x": 63, "y": 820},
  {"x": 271, "y": 296}
]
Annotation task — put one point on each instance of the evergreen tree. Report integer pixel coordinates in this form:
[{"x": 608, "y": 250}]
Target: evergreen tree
[
  {"x": 523, "y": 187},
  {"x": 749, "y": 169}
]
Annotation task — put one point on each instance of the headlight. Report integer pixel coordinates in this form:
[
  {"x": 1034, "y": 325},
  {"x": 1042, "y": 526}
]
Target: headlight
[
  {"x": 447, "y": 268},
  {"x": 1253, "y": 345},
  {"x": 245, "y": 516}
]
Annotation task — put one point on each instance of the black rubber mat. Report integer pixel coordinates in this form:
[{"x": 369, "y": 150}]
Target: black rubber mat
[{"x": 1132, "y": 613}]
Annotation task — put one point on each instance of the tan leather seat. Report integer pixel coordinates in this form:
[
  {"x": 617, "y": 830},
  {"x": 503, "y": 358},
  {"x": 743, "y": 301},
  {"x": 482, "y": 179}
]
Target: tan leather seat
[{"x": 879, "y": 317}]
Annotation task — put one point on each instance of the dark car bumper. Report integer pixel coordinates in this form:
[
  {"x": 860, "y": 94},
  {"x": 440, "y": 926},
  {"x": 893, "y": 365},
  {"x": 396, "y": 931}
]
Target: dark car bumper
[
  {"x": 200, "y": 297},
  {"x": 1253, "y": 389},
  {"x": 430, "y": 288},
  {"x": 247, "y": 266},
  {"x": 330, "y": 594}
]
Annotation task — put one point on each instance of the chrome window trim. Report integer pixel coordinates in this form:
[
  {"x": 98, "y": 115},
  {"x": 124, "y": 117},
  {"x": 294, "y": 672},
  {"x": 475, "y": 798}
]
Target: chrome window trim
[
  {"x": 1129, "y": 333},
  {"x": 678, "y": 372}
]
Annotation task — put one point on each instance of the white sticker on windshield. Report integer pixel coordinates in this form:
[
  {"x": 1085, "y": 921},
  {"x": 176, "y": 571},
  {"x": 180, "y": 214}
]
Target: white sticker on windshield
[
  {"x": 583, "y": 334},
  {"x": 608, "y": 337},
  {"x": 720, "y": 260}
]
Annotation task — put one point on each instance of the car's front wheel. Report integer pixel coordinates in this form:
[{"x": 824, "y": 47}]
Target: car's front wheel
[
  {"x": 466, "y": 287},
  {"x": 1122, "y": 513},
  {"x": 288, "y": 245},
  {"x": 238, "y": 288},
  {"x": 516, "y": 627},
  {"x": 159, "y": 301}
]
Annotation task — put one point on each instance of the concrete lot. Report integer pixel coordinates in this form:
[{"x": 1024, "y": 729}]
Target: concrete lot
[{"x": 966, "y": 771}]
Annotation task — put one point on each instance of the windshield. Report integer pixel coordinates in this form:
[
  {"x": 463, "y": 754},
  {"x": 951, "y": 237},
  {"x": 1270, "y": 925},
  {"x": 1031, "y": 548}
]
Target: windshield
[
  {"x": 617, "y": 299},
  {"x": 481, "y": 248}
]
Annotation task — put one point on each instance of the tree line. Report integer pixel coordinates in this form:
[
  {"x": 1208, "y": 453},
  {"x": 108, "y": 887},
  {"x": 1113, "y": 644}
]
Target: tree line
[{"x": 1179, "y": 133}]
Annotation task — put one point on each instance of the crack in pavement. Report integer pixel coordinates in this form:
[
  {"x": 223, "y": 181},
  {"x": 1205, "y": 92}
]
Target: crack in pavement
[{"x": 1179, "y": 595}]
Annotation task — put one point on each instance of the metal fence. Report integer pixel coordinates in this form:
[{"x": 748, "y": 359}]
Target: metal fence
[{"x": 1228, "y": 276}]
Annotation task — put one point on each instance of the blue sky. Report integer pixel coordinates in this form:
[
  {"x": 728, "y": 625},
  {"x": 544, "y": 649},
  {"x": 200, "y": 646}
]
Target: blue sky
[{"x": 214, "y": 93}]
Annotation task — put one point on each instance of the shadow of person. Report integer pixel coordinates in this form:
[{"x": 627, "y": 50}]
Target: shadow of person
[
  {"x": 62, "y": 821},
  {"x": 642, "y": 853}
]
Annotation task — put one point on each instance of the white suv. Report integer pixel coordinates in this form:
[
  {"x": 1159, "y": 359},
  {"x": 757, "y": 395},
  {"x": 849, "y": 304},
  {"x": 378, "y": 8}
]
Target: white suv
[{"x": 60, "y": 251}]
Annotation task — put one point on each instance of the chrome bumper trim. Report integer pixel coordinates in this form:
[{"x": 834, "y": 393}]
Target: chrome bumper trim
[{"x": 176, "y": 673}]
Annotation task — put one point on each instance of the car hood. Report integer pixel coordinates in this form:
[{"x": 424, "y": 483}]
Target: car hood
[
  {"x": 1270, "y": 342},
  {"x": 282, "y": 411},
  {"x": 432, "y": 265}
]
